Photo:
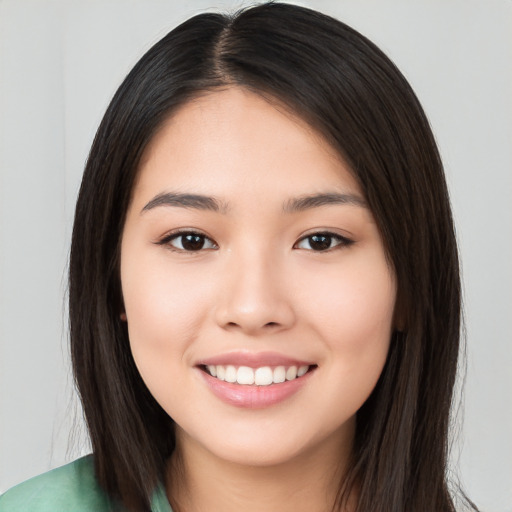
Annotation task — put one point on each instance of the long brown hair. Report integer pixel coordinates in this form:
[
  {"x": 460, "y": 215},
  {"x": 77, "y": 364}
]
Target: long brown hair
[{"x": 346, "y": 88}]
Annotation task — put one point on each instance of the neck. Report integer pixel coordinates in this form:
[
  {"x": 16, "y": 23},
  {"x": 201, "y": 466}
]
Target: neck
[{"x": 199, "y": 481}]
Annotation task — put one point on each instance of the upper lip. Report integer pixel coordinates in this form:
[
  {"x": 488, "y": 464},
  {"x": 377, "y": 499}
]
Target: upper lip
[{"x": 252, "y": 360}]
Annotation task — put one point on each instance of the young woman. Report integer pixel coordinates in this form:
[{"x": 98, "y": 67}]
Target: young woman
[{"x": 264, "y": 285}]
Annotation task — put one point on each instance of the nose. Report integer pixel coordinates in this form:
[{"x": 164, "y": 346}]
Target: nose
[{"x": 254, "y": 297}]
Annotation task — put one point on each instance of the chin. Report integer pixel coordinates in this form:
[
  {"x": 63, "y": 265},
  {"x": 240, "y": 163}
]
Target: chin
[{"x": 263, "y": 456}]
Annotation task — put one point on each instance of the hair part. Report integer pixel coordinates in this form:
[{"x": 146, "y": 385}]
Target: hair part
[{"x": 348, "y": 90}]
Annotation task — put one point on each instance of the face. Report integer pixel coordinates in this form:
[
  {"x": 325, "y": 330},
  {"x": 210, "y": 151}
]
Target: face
[{"x": 257, "y": 293}]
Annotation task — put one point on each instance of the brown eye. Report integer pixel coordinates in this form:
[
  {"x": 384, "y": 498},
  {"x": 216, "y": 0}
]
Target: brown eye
[
  {"x": 322, "y": 242},
  {"x": 189, "y": 242},
  {"x": 192, "y": 242}
]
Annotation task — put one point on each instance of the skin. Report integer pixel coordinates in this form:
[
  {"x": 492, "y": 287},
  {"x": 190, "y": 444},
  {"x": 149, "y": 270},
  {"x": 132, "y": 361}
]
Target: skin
[{"x": 257, "y": 285}]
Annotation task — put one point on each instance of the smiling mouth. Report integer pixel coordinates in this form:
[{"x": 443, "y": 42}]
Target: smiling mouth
[{"x": 261, "y": 376}]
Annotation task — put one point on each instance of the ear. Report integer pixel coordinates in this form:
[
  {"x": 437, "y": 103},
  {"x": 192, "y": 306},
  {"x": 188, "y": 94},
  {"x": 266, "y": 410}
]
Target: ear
[{"x": 123, "y": 317}]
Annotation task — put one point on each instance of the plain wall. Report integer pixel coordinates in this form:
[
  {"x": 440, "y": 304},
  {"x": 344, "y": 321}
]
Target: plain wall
[{"x": 60, "y": 63}]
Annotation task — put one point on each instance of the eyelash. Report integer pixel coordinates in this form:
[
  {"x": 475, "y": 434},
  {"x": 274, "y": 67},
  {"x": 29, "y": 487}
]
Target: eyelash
[
  {"x": 179, "y": 234},
  {"x": 341, "y": 241}
]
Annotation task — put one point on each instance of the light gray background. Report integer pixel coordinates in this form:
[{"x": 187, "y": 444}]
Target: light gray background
[{"x": 60, "y": 63}]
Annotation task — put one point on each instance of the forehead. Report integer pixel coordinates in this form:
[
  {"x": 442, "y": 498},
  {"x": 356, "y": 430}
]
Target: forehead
[{"x": 230, "y": 141}]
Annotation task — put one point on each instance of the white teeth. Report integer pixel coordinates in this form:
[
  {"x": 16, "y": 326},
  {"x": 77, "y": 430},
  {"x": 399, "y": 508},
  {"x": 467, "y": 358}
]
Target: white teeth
[
  {"x": 263, "y": 376},
  {"x": 245, "y": 375},
  {"x": 230, "y": 374},
  {"x": 291, "y": 373},
  {"x": 302, "y": 370},
  {"x": 221, "y": 372},
  {"x": 279, "y": 374}
]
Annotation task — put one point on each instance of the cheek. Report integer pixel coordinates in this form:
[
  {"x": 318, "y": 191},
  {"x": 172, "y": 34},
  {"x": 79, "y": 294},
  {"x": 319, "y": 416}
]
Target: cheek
[
  {"x": 355, "y": 320},
  {"x": 354, "y": 301},
  {"x": 164, "y": 312},
  {"x": 160, "y": 298},
  {"x": 354, "y": 317}
]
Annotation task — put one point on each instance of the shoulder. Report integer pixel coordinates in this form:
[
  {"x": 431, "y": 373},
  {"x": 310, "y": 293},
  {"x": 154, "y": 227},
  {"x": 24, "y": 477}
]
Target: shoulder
[{"x": 72, "y": 487}]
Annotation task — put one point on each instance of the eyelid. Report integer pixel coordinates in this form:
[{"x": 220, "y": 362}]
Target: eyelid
[
  {"x": 343, "y": 240},
  {"x": 171, "y": 235}
]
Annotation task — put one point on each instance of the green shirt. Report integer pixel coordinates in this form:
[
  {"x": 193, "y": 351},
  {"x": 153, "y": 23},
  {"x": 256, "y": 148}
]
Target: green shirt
[{"x": 70, "y": 488}]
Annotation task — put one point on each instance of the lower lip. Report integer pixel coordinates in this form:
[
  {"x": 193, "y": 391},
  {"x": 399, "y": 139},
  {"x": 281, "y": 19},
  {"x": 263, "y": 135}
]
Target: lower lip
[{"x": 254, "y": 397}]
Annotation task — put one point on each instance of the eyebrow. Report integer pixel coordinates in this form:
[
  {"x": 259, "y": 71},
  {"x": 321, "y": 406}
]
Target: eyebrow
[
  {"x": 194, "y": 201},
  {"x": 302, "y": 203},
  {"x": 298, "y": 204}
]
